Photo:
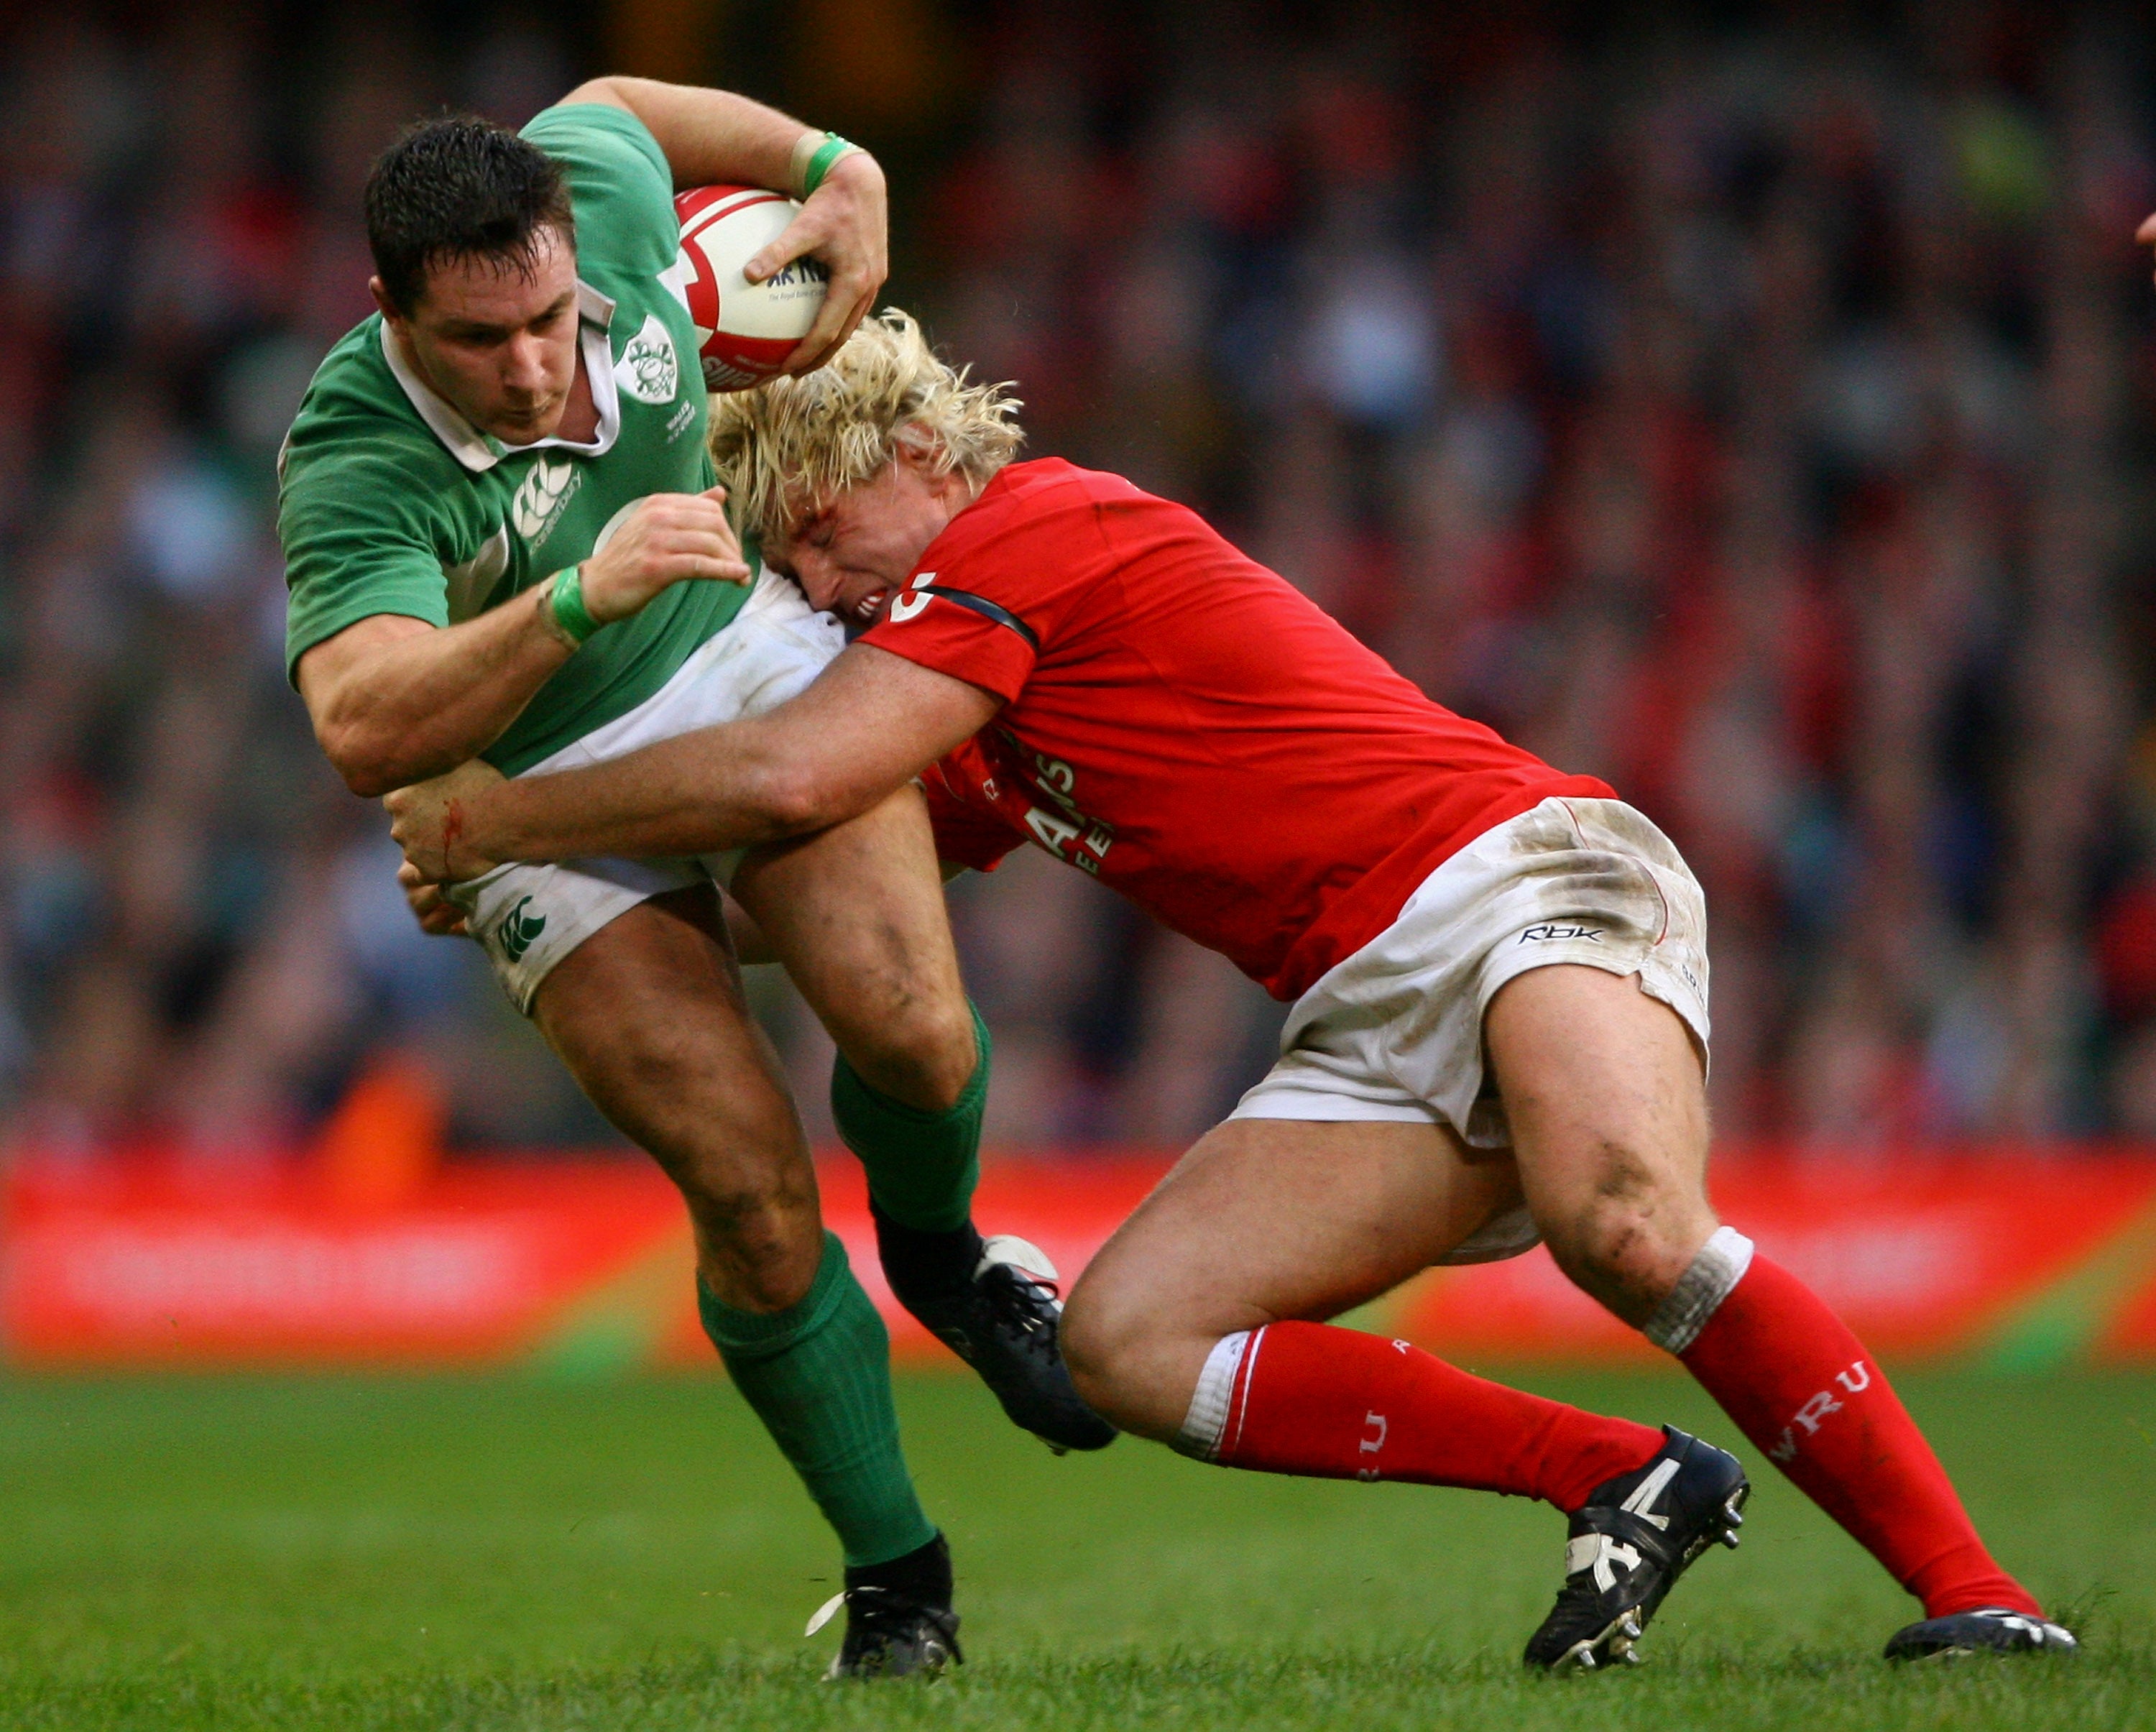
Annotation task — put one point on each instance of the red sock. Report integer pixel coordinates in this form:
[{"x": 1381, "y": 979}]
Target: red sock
[
  {"x": 1338, "y": 1404},
  {"x": 1803, "y": 1389}
]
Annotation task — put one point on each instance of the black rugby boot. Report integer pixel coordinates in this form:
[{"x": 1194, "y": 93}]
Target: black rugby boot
[
  {"x": 1635, "y": 1536},
  {"x": 899, "y": 1620},
  {"x": 993, "y": 1301},
  {"x": 1987, "y": 1630}
]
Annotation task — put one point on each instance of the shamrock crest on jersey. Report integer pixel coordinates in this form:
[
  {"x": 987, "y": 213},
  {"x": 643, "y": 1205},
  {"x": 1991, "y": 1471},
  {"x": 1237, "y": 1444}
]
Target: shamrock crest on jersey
[
  {"x": 648, "y": 369},
  {"x": 539, "y": 501}
]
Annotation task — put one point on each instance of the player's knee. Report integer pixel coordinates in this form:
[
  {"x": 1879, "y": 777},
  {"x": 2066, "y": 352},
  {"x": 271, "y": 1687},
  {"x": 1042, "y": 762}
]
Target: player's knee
[
  {"x": 1098, "y": 1335},
  {"x": 922, "y": 1053},
  {"x": 1629, "y": 1238},
  {"x": 733, "y": 1205},
  {"x": 758, "y": 1216},
  {"x": 765, "y": 1285},
  {"x": 763, "y": 1262}
]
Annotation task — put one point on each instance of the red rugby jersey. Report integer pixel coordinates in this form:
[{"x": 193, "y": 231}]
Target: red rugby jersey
[{"x": 1184, "y": 724}]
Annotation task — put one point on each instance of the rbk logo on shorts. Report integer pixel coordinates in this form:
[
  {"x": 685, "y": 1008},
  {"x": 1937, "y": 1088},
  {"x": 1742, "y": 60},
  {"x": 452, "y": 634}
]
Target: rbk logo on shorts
[
  {"x": 539, "y": 501},
  {"x": 648, "y": 370},
  {"x": 517, "y": 931},
  {"x": 1558, "y": 929}
]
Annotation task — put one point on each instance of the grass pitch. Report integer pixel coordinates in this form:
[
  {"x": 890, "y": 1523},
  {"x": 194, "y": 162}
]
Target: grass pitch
[{"x": 506, "y": 1554}]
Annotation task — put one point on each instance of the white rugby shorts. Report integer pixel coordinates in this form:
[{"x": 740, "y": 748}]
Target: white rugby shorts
[
  {"x": 1394, "y": 1031},
  {"x": 527, "y": 918}
]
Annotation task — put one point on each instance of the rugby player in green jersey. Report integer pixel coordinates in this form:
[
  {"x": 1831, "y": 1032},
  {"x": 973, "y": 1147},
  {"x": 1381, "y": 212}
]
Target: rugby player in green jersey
[{"x": 503, "y": 539}]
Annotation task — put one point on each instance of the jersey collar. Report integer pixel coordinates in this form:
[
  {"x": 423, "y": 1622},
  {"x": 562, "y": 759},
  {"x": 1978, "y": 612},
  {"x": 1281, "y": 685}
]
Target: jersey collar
[{"x": 480, "y": 452}]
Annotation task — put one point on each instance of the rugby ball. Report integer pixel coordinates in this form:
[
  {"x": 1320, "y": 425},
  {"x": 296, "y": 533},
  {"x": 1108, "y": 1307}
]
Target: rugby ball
[{"x": 746, "y": 329}]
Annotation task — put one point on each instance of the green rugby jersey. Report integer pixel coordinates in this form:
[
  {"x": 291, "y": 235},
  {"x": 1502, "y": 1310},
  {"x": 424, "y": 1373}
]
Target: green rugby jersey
[{"x": 389, "y": 501}]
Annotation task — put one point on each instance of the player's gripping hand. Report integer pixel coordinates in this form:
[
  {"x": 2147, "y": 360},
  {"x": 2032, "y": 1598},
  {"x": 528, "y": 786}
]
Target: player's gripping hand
[
  {"x": 437, "y": 916},
  {"x": 426, "y": 820},
  {"x": 668, "y": 538},
  {"x": 844, "y": 225}
]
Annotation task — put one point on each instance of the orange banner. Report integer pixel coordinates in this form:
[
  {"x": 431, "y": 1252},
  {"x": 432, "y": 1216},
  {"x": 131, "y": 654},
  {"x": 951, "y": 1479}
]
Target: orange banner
[
  {"x": 2023, "y": 1258},
  {"x": 136, "y": 1265}
]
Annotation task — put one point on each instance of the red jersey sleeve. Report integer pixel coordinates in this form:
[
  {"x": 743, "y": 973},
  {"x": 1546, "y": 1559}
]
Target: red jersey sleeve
[{"x": 995, "y": 590}]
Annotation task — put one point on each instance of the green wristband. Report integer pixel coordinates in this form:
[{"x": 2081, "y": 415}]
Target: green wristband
[
  {"x": 567, "y": 604},
  {"x": 825, "y": 159}
]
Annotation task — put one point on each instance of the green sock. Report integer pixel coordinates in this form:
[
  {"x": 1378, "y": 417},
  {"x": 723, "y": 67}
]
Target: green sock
[
  {"x": 921, "y": 1166},
  {"x": 819, "y": 1376}
]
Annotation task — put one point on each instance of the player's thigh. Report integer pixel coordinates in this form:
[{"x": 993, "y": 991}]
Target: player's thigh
[
  {"x": 1605, "y": 1098},
  {"x": 856, "y": 915},
  {"x": 647, "y": 1015},
  {"x": 1266, "y": 1219}
]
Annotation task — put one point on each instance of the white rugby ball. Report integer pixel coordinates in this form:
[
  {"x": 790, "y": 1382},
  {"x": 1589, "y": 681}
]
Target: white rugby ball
[{"x": 746, "y": 329}]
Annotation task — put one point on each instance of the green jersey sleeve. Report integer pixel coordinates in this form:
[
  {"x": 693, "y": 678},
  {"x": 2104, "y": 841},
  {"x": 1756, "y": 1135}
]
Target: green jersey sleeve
[
  {"x": 357, "y": 541},
  {"x": 619, "y": 178}
]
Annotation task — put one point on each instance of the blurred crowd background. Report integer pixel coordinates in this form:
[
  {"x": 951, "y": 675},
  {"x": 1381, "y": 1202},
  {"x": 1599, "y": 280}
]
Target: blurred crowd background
[{"x": 1753, "y": 406}]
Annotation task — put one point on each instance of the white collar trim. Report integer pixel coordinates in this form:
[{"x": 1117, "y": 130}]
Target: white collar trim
[{"x": 480, "y": 452}]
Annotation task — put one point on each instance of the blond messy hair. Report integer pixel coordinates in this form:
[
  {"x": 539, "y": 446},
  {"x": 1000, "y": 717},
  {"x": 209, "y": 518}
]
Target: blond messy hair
[{"x": 789, "y": 446}]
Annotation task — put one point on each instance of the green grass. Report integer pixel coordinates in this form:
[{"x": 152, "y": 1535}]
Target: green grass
[{"x": 513, "y": 1554}]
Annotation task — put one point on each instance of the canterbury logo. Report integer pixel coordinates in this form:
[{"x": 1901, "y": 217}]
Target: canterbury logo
[
  {"x": 518, "y": 930},
  {"x": 546, "y": 488}
]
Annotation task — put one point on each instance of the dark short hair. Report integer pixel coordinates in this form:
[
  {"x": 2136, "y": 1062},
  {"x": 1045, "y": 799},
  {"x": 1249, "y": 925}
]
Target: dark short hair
[{"x": 459, "y": 188}]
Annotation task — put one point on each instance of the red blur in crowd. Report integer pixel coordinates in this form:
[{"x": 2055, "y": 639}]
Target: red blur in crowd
[{"x": 1754, "y": 425}]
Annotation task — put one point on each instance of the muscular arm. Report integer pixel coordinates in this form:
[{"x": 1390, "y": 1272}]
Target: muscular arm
[
  {"x": 394, "y": 700},
  {"x": 706, "y": 135},
  {"x": 715, "y": 137},
  {"x": 870, "y": 723}
]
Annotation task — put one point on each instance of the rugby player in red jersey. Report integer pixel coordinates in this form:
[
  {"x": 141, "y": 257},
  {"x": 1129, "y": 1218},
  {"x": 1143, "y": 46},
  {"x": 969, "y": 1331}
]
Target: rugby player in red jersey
[{"x": 1498, "y": 975}]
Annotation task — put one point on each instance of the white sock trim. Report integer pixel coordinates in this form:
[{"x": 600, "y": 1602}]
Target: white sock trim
[
  {"x": 1711, "y": 1278},
  {"x": 1208, "y": 1418}
]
